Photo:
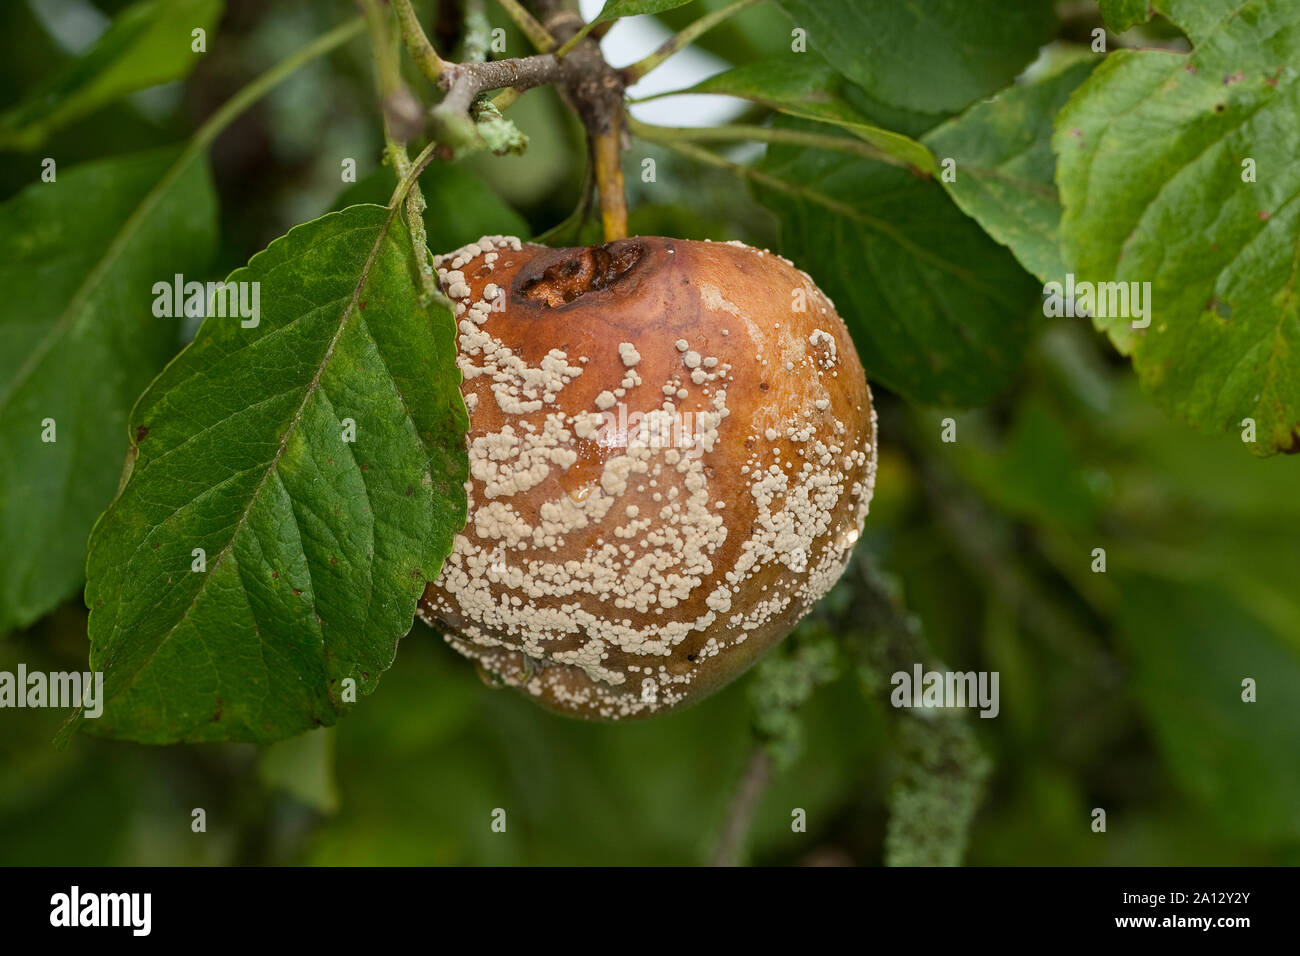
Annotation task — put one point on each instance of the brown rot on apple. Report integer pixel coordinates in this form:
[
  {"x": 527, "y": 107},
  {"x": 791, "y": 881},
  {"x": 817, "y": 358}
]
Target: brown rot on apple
[{"x": 672, "y": 450}]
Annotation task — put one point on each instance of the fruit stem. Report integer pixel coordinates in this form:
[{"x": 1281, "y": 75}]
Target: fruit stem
[
  {"x": 607, "y": 158},
  {"x": 594, "y": 90},
  {"x": 681, "y": 40}
]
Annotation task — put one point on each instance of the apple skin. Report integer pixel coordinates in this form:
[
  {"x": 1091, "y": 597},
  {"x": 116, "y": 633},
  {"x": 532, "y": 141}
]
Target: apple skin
[{"x": 672, "y": 451}]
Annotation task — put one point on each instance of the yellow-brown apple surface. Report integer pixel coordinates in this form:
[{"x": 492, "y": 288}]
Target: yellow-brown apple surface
[{"x": 672, "y": 450}]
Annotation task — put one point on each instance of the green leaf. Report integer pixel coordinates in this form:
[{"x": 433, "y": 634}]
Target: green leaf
[
  {"x": 148, "y": 43},
  {"x": 1121, "y": 15},
  {"x": 1201, "y": 19},
  {"x": 938, "y": 310},
  {"x": 78, "y": 258},
  {"x": 1035, "y": 473},
  {"x": 1152, "y": 153},
  {"x": 810, "y": 89},
  {"x": 1191, "y": 647},
  {"x": 757, "y": 32},
  {"x": 316, "y": 548},
  {"x": 1005, "y": 169},
  {"x": 617, "y": 9},
  {"x": 926, "y": 55}
]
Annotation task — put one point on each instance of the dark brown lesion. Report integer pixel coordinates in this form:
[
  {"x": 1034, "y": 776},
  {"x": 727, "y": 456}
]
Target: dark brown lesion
[{"x": 582, "y": 271}]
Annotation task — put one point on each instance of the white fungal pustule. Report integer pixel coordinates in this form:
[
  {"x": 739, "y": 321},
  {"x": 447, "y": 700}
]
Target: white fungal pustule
[{"x": 668, "y": 466}]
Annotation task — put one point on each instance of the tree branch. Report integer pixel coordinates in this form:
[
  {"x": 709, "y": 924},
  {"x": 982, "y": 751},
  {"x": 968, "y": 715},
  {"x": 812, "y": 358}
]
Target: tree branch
[
  {"x": 464, "y": 81},
  {"x": 588, "y": 84},
  {"x": 454, "y": 128}
]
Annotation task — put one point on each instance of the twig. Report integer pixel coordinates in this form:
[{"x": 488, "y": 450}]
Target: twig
[
  {"x": 393, "y": 94},
  {"x": 878, "y": 225},
  {"x": 417, "y": 44},
  {"x": 465, "y": 81},
  {"x": 587, "y": 82},
  {"x": 740, "y": 813},
  {"x": 691, "y": 151},
  {"x": 681, "y": 40},
  {"x": 388, "y": 69},
  {"x": 255, "y": 90},
  {"x": 477, "y": 32},
  {"x": 537, "y": 34},
  {"x": 408, "y": 191},
  {"x": 569, "y": 44},
  {"x": 740, "y": 132},
  {"x": 540, "y": 36}
]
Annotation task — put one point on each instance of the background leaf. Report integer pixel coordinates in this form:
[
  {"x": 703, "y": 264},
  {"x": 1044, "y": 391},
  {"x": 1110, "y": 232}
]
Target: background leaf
[
  {"x": 926, "y": 55},
  {"x": 809, "y": 88},
  {"x": 78, "y": 260},
  {"x": 615, "y": 9},
  {"x": 303, "y": 767},
  {"x": 317, "y": 548},
  {"x": 1151, "y": 152},
  {"x": 1121, "y": 15},
  {"x": 148, "y": 43},
  {"x": 756, "y": 32},
  {"x": 1006, "y": 171},
  {"x": 938, "y": 310},
  {"x": 1191, "y": 647}
]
